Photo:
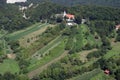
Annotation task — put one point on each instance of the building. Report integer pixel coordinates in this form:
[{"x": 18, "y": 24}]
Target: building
[
  {"x": 117, "y": 27},
  {"x": 70, "y": 18},
  {"x": 22, "y": 8},
  {"x": 107, "y": 71}
]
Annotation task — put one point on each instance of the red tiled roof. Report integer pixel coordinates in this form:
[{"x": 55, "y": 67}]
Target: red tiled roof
[
  {"x": 118, "y": 26},
  {"x": 107, "y": 71},
  {"x": 70, "y": 16}
]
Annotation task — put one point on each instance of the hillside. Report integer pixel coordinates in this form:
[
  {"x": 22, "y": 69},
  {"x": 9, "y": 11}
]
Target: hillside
[
  {"x": 56, "y": 42},
  {"x": 11, "y": 18},
  {"x": 113, "y": 3}
]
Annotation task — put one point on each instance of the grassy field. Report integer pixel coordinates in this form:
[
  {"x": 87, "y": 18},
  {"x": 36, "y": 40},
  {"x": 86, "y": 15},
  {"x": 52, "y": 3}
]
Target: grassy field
[
  {"x": 50, "y": 46},
  {"x": 84, "y": 28},
  {"x": 54, "y": 53},
  {"x": 88, "y": 37},
  {"x": 19, "y": 34},
  {"x": 115, "y": 50},
  {"x": 87, "y": 76},
  {"x": 1, "y": 47},
  {"x": 83, "y": 54},
  {"x": 80, "y": 38},
  {"x": 9, "y": 65},
  {"x": 101, "y": 76},
  {"x": 96, "y": 74}
]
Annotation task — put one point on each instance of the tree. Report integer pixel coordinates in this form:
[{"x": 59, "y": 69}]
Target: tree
[
  {"x": 9, "y": 76},
  {"x": 2, "y": 1},
  {"x": 117, "y": 73},
  {"x": 118, "y": 35}
]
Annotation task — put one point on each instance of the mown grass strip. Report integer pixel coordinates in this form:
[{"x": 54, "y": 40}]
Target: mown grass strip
[
  {"x": 101, "y": 76},
  {"x": 51, "y": 45},
  {"x": 88, "y": 75},
  {"x": 23, "y": 30},
  {"x": 26, "y": 32},
  {"x": 114, "y": 51},
  {"x": 54, "y": 53}
]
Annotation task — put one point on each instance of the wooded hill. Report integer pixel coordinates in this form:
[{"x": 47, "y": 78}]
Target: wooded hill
[
  {"x": 14, "y": 20},
  {"x": 113, "y": 3},
  {"x": 11, "y": 18}
]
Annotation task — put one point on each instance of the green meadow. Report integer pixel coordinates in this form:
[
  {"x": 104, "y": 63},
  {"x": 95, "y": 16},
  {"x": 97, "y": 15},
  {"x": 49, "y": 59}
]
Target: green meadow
[
  {"x": 9, "y": 65},
  {"x": 21, "y": 33}
]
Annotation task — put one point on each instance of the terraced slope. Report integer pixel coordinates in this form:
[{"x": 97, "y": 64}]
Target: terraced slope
[
  {"x": 48, "y": 47},
  {"x": 20, "y": 34},
  {"x": 40, "y": 69}
]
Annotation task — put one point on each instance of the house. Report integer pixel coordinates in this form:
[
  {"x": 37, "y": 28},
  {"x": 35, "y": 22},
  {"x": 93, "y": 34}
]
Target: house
[
  {"x": 70, "y": 16},
  {"x": 69, "y": 19},
  {"x": 30, "y": 5},
  {"x": 22, "y": 8},
  {"x": 117, "y": 27},
  {"x": 106, "y": 71}
]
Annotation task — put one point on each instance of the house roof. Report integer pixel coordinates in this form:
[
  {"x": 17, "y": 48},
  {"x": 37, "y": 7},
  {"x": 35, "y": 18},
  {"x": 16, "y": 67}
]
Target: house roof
[
  {"x": 70, "y": 16},
  {"x": 117, "y": 27},
  {"x": 107, "y": 71}
]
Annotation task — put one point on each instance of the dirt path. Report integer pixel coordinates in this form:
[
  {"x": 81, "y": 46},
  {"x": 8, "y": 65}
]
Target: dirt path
[
  {"x": 40, "y": 69},
  {"x": 83, "y": 54}
]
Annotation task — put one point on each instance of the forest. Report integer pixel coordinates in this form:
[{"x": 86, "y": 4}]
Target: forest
[
  {"x": 112, "y": 3},
  {"x": 16, "y": 22}
]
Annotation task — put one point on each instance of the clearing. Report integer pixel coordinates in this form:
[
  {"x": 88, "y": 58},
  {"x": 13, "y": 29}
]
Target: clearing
[
  {"x": 96, "y": 74},
  {"x": 18, "y": 34},
  {"x": 9, "y": 65},
  {"x": 83, "y": 54},
  {"x": 114, "y": 51}
]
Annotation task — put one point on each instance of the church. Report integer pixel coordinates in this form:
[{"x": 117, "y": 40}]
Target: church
[{"x": 70, "y": 18}]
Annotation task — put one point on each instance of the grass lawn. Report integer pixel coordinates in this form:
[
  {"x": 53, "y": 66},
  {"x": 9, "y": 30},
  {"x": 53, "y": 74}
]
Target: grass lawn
[
  {"x": 115, "y": 50},
  {"x": 87, "y": 76},
  {"x": 9, "y": 65},
  {"x": 19, "y": 34},
  {"x": 51, "y": 45},
  {"x": 101, "y": 76},
  {"x": 54, "y": 53},
  {"x": 84, "y": 28}
]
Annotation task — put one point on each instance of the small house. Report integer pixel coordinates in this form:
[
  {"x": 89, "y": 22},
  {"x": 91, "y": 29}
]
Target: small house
[
  {"x": 117, "y": 27},
  {"x": 69, "y": 19},
  {"x": 106, "y": 71},
  {"x": 70, "y": 16}
]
